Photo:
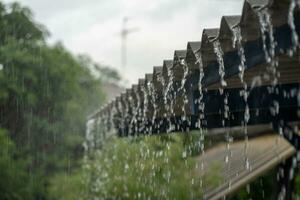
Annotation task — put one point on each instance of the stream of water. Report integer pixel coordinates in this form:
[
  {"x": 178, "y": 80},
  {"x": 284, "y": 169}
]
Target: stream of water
[
  {"x": 169, "y": 100},
  {"x": 237, "y": 43},
  {"x": 291, "y": 22}
]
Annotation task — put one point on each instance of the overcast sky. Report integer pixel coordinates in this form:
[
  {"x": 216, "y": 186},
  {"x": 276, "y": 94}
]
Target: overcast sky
[{"x": 93, "y": 27}]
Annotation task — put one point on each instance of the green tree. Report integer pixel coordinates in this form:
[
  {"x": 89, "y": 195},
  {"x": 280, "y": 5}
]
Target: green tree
[
  {"x": 14, "y": 177},
  {"x": 45, "y": 95}
]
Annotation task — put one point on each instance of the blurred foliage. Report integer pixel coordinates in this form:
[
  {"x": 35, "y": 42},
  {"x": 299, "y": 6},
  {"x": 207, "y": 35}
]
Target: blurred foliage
[
  {"x": 264, "y": 187},
  {"x": 150, "y": 167},
  {"x": 46, "y": 94},
  {"x": 67, "y": 186},
  {"x": 297, "y": 182},
  {"x": 14, "y": 178},
  {"x": 105, "y": 73}
]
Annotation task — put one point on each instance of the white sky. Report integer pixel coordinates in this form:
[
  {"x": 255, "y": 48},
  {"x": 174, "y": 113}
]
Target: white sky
[{"x": 93, "y": 27}]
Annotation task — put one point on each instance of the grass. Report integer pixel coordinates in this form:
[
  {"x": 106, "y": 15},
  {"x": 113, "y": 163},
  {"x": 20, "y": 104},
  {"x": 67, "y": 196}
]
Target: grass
[{"x": 148, "y": 167}]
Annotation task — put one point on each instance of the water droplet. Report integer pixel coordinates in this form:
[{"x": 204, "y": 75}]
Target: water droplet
[
  {"x": 248, "y": 188},
  {"x": 269, "y": 46},
  {"x": 126, "y": 167},
  {"x": 184, "y": 154},
  {"x": 226, "y": 159},
  {"x": 247, "y": 164}
]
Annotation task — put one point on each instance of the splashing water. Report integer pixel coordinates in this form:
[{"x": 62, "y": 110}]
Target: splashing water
[
  {"x": 201, "y": 106},
  {"x": 275, "y": 108},
  {"x": 183, "y": 90},
  {"x": 122, "y": 118},
  {"x": 151, "y": 101},
  {"x": 89, "y": 135},
  {"x": 139, "y": 112},
  {"x": 129, "y": 110},
  {"x": 219, "y": 53},
  {"x": 168, "y": 96},
  {"x": 226, "y": 108},
  {"x": 269, "y": 49},
  {"x": 135, "y": 105},
  {"x": 155, "y": 105},
  {"x": 126, "y": 114},
  {"x": 266, "y": 28},
  {"x": 146, "y": 106},
  {"x": 159, "y": 94},
  {"x": 291, "y": 22},
  {"x": 200, "y": 100},
  {"x": 237, "y": 43}
]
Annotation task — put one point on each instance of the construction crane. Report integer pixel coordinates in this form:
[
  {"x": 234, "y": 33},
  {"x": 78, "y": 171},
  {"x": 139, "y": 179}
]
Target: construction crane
[{"x": 124, "y": 33}]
